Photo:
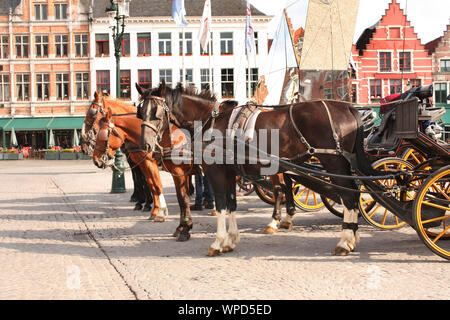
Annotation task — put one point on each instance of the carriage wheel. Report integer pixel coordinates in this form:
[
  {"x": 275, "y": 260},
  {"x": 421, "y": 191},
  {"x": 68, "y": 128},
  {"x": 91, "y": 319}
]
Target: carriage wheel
[
  {"x": 244, "y": 187},
  {"x": 374, "y": 213},
  {"x": 266, "y": 195},
  {"x": 431, "y": 213},
  {"x": 306, "y": 199},
  {"x": 335, "y": 208},
  {"x": 413, "y": 156}
]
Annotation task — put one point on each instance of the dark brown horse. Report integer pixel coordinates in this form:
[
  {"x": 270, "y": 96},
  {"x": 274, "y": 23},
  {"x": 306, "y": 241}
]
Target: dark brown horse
[{"x": 329, "y": 130}]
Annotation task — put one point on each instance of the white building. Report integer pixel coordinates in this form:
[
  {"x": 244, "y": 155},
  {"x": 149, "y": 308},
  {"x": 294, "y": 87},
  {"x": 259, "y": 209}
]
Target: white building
[{"x": 152, "y": 48}]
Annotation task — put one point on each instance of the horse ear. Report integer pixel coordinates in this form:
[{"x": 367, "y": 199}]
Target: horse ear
[
  {"x": 163, "y": 88},
  {"x": 96, "y": 95},
  {"x": 139, "y": 89}
]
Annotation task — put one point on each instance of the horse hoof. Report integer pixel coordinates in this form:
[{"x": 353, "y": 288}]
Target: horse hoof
[
  {"x": 152, "y": 217},
  {"x": 213, "y": 252},
  {"x": 176, "y": 233},
  {"x": 147, "y": 208},
  {"x": 183, "y": 237},
  {"x": 159, "y": 219},
  {"x": 138, "y": 207},
  {"x": 341, "y": 251},
  {"x": 286, "y": 225},
  {"x": 227, "y": 249},
  {"x": 214, "y": 213},
  {"x": 270, "y": 230}
]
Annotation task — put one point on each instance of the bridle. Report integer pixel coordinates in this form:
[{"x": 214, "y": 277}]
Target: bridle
[{"x": 90, "y": 135}]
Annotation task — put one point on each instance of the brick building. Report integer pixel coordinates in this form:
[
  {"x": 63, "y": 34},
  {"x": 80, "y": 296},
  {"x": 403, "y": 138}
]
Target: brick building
[
  {"x": 389, "y": 58},
  {"x": 44, "y": 69},
  {"x": 439, "y": 49}
]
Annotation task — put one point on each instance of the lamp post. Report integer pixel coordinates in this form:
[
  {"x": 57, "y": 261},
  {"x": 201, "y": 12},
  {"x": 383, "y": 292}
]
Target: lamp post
[{"x": 117, "y": 12}]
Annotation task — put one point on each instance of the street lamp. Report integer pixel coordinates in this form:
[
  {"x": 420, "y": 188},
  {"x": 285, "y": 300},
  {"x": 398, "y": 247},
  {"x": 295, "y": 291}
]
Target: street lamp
[{"x": 117, "y": 12}]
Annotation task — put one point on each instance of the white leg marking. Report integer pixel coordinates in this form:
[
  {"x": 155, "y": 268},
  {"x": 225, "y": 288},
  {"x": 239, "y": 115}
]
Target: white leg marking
[
  {"x": 233, "y": 231},
  {"x": 288, "y": 218},
  {"x": 163, "y": 206},
  {"x": 348, "y": 238},
  {"x": 273, "y": 224},
  {"x": 221, "y": 234}
]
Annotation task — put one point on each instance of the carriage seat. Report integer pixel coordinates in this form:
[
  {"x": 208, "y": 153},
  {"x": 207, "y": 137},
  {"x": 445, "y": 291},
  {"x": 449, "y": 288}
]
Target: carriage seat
[{"x": 384, "y": 138}]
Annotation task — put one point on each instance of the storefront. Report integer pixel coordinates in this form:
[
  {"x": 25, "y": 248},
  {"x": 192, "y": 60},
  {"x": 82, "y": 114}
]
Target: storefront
[{"x": 35, "y": 132}]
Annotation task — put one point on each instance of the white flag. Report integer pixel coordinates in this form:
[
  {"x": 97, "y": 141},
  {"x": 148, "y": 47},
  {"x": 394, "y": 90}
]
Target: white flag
[
  {"x": 179, "y": 13},
  {"x": 249, "y": 33},
  {"x": 204, "y": 36}
]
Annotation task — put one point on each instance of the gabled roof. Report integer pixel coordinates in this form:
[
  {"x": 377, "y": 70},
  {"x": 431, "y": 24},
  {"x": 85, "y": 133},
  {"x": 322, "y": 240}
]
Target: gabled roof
[
  {"x": 194, "y": 8},
  {"x": 365, "y": 37},
  {"x": 6, "y": 4},
  {"x": 432, "y": 45}
]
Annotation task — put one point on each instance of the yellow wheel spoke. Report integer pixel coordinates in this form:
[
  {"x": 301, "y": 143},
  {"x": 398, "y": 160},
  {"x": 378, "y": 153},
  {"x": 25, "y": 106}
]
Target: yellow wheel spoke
[
  {"x": 436, "y": 219},
  {"x": 435, "y": 205},
  {"x": 384, "y": 217},
  {"x": 441, "y": 234},
  {"x": 374, "y": 210}
]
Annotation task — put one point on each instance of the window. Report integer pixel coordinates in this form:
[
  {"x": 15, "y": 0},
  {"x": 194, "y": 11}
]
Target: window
[
  {"x": 354, "y": 93},
  {"x": 165, "y": 44},
  {"x": 440, "y": 92},
  {"x": 40, "y": 11},
  {"x": 253, "y": 81},
  {"x": 405, "y": 61},
  {"x": 328, "y": 93},
  {"x": 60, "y": 11},
  {"x": 62, "y": 86},
  {"x": 342, "y": 92},
  {"x": 101, "y": 44},
  {"x": 23, "y": 87},
  {"x": 144, "y": 41},
  {"x": 125, "y": 84},
  {"x": 4, "y": 88},
  {"x": 226, "y": 43},
  {"x": 41, "y": 46},
  {"x": 103, "y": 84},
  {"x": 445, "y": 65},
  {"x": 145, "y": 78},
  {"x": 415, "y": 83},
  {"x": 204, "y": 79},
  {"x": 166, "y": 75},
  {"x": 188, "y": 43},
  {"x": 205, "y": 53},
  {"x": 375, "y": 90},
  {"x": 81, "y": 45},
  {"x": 395, "y": 33},
  {"x": 385, "y": 61},
  {"x": 42, "y": 86},
  {"x": 189, "y": 79},
  {"x": 227, "y": 83},
  {"x": 22, "y": 46},
  {"x": 126, "y": 45},
  {"x": 256, "y": 41},
  {"x": 4, "y": 47},
  {"x": 82, "y": 85},
  {"x": 395, "y": 86},
  {"x": 62, "y": 45}
]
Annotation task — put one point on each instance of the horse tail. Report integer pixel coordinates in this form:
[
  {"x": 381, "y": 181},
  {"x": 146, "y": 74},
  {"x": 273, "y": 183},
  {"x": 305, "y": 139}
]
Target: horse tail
[{"x": 363, "y": 163}]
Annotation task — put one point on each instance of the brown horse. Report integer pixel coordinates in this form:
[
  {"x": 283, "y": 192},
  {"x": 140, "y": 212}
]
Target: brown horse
[
  {"x": 141, "y": 192},
  {"x": 119, "y": 125},
  {"x": 329, "y": 130}
]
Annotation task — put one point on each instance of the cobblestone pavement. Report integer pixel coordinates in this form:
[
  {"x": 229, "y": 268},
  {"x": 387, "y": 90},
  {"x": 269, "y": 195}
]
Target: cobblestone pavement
[{"x": 64, "y": 236}]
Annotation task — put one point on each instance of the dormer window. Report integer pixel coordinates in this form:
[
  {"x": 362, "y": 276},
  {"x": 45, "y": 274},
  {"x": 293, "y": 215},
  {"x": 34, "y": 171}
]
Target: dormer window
[{"x": 395, "y": 33}]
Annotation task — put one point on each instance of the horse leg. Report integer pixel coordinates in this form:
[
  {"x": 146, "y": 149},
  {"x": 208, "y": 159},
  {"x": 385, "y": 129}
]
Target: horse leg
[
  {"x": 349, "y": 234},
  {"x": 290, "y": 206},
  {"x": 151, "y": 172},
  {"x": 218, "y": 181},
  {"x": 181, "y": 181},
  {"x": 233, "y": 231},
  {"x": 272, "y": 227}
]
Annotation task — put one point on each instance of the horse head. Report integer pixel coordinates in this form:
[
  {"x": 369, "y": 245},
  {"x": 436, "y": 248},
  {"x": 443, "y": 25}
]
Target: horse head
[
  {"x": 90, "y": 124},
  {"x": 108, "y": 139}
]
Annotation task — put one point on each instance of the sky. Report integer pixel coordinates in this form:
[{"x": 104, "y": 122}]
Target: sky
[{"x": 429, "y": 17}]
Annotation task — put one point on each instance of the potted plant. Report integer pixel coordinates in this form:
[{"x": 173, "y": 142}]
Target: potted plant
[
  {"x": 12, "y": 154},
  {"x": 81, "y": 155},
  {"x": 68, "y": 154},
  {"x": 52, "y": 154}
]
